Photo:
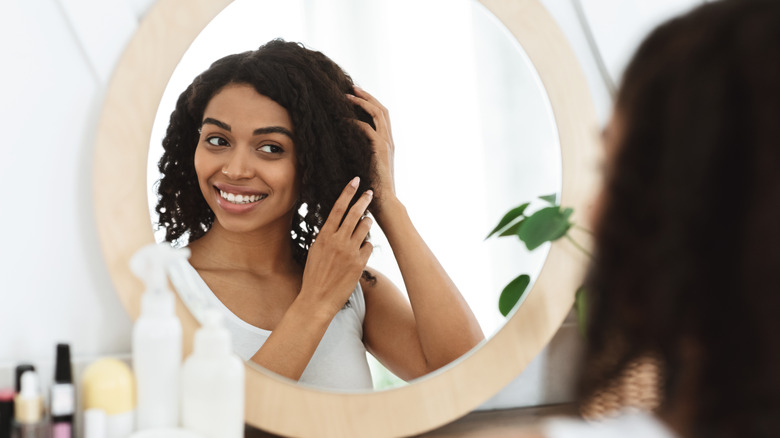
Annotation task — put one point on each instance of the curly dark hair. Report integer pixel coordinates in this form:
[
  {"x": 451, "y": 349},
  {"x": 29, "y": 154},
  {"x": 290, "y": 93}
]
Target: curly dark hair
[
  {"x": 688, "y": 240},
  {"x": 330, "y": 148}
]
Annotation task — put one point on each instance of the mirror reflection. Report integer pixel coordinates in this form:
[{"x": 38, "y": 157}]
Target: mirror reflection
[{"x": 473, "y": 135}]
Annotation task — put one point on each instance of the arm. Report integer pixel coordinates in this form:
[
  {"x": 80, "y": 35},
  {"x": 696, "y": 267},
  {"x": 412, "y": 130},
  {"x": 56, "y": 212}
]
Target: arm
[
  {"x": 335, "y": 263},
  {"x": 437, "y": 326}
]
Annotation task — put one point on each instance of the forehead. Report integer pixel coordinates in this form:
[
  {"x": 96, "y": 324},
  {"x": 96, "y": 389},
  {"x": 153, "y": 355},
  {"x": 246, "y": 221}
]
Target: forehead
[{"x": 243, "y": 108}]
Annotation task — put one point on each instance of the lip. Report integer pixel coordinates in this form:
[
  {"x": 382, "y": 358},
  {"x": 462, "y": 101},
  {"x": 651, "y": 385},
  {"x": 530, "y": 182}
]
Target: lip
[
  {"x": 238, "y": 190},
  {"x": 228, "y": 206}
]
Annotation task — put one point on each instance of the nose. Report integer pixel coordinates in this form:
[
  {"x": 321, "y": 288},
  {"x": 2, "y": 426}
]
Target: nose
[{"x": 237, "y": 165}]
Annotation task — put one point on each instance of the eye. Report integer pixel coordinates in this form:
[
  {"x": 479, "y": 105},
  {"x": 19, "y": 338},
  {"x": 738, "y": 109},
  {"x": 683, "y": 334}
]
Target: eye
[
  {"x": 217, "y": 141},
  {"x": 270, "y": 148}
]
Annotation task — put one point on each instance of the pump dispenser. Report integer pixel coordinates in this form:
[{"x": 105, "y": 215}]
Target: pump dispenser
[
  {"x": 157, "y": 339},
  {"x": 213, "y": 383}
]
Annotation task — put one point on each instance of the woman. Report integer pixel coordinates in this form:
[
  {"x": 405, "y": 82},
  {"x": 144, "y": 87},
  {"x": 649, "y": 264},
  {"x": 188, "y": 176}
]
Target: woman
[
  {"x": 272, "y": 158},
  {"x": 688, "y": 234}
]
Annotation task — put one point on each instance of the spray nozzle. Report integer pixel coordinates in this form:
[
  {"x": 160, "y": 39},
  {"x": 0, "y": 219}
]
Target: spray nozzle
[
  {"x": 150, "y": 264},
  {"x": 212, "y": 338}
]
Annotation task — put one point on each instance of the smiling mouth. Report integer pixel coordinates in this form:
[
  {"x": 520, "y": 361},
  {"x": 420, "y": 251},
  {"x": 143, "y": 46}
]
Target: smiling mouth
[{"x": 241, "y": 199}]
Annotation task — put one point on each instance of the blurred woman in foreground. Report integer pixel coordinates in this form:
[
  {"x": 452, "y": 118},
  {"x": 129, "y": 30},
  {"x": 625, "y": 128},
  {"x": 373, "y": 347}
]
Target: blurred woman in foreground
[{"x": 688, "y": 229}]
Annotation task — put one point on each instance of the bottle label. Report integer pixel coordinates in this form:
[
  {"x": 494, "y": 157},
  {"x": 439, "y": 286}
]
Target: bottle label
[
  {"x": 63, "y": 400},
  {"x": 61, "y": 430}
]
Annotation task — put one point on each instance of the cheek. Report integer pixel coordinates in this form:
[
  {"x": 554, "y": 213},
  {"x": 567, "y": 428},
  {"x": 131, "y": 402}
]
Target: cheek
[
  {"x": 285, "y": 175},
  {"x": 197, "y": 162},
  {"x": 201, "y": 170},
  {"x": 203, "y": 164}
]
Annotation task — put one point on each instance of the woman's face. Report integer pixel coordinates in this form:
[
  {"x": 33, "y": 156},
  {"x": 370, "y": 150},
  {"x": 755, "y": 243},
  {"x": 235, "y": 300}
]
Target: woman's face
[{"x": 245, "y": 161}]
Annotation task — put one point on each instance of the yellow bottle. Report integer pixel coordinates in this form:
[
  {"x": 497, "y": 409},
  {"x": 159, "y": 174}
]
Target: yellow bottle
[{"x": 108, "y": 385}]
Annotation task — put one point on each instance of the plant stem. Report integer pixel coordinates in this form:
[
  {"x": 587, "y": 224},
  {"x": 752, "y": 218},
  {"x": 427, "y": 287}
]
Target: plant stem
[
  {"x": 583, "y": 229},
  {"x": 577, "y": 245}
]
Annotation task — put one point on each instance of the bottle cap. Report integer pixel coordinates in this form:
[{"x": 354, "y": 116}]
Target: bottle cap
[
  {"x": 30, "y": 385},
  {"x": 213, "y": 339},
  {"x": 63, "y": 372},
  {"x": 20, "y": 369}
]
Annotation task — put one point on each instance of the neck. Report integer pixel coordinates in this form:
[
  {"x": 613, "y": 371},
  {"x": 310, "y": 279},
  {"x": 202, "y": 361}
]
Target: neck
[{"x": 262, "y": 252}]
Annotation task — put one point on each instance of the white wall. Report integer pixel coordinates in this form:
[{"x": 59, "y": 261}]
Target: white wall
[{"x": 57, "y": 56}]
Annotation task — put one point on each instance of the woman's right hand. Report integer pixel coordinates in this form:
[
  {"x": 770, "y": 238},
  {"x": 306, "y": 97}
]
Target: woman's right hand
[{"x": 340, "y": 252}]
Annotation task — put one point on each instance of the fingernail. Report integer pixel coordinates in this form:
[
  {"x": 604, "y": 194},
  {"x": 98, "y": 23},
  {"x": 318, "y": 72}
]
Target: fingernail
[
  {"x": 355, "y": 182},
  {"x": 370, "y": 193}
]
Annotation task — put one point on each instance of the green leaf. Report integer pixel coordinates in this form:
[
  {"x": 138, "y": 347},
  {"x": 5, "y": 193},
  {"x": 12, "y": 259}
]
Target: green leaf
[
  {"x": 512, "y": 293},
  {"x": 509, "y": 217},
  {"x": 545, "y": 225},
  {"x": 581, "y": 308},
  {"x": 511, "y": 231},
  {"x": 549, "y": 198}
]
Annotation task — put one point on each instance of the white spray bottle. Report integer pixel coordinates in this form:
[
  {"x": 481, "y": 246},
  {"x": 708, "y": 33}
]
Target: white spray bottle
[
  {"x": 157, "y": 340},
  {"x": 213, "y": 383}
]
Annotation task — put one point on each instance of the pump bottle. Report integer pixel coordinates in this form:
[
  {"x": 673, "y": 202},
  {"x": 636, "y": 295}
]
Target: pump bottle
[
  {"x": 213, "y": 383},
  {"x": 29, "y": 421},
  {"x": 157, "y": 340}
]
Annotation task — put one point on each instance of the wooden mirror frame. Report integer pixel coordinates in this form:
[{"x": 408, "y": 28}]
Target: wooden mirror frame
[{"x": 280, "y": 406}]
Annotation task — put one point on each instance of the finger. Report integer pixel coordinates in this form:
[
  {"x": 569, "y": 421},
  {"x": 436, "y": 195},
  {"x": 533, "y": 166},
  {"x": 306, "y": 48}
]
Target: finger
[
  {"x": 362, "y": 229},
  {"x": 372, "y": 135},
  {"x": 356, "y": 212},
  {"x": 340, "y": 206},
  {"x": 369, "y": 97},
  {"x": 373, "y": 108},
  {"x": 365, "y": 252},
  {"x": 377, "y": 112}
]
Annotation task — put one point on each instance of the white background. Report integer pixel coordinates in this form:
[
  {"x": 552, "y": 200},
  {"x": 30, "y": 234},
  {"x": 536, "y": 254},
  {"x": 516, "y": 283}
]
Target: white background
[{"x": 57, "y": 57}]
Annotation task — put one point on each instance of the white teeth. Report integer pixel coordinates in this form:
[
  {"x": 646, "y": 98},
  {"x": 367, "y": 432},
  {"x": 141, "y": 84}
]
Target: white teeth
[{"x": 240, "y": 199}]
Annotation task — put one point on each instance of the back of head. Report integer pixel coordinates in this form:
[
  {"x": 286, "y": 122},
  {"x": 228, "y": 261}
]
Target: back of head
[{"x": 688, "y": 241}]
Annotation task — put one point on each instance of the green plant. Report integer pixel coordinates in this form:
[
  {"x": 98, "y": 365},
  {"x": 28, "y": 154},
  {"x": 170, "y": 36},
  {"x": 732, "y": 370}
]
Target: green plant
[{"x": 547, "y": 224}]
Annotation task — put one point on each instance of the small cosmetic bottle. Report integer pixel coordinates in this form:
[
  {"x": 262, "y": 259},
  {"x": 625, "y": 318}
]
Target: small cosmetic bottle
[
  {"x": 28, "y": 409},
  {"x": 6, "y": 412},
  {"x": 63, "y": 395}
]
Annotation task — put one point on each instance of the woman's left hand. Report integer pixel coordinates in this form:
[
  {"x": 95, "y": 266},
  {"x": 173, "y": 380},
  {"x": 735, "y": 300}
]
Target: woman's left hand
[{"x": 382, "y": 140}]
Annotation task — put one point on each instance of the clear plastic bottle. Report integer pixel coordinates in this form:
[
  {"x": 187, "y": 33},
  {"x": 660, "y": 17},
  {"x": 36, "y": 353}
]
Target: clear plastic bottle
[
  {"x": 213, "y": 383},
  {"x": 157, "y": 340}
]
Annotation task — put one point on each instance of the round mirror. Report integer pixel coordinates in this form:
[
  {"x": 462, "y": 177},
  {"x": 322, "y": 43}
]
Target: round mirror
[
  {"x": 471, "y": 120},
  {"x": 276, "y": 405}
]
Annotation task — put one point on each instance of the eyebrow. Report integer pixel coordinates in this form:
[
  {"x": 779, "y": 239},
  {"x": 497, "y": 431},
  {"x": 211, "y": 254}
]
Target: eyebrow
[{"x": 258, "y": 131}]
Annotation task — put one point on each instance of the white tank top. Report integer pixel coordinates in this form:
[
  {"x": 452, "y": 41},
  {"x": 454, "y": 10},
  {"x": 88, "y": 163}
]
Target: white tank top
[{"x": 338, "y": 363}]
